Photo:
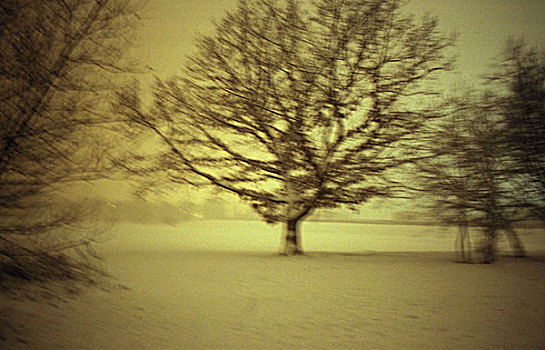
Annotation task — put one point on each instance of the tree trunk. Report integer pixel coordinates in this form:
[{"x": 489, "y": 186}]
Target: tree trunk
[
  {"x": 489, "y": 245},
  {"x": 516, "y": 244},
  {"x": 463, "y": 244},
  {"x": 292, "y": 245}
]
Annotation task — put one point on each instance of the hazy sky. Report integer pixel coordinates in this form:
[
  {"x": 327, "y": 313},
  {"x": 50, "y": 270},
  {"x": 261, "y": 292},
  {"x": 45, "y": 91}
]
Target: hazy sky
[{"x": 483, "y": 25}]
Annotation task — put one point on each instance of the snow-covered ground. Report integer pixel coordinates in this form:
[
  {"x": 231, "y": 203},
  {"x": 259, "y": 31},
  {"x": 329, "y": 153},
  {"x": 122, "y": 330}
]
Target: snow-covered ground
[{"x": 220, "y": 285}]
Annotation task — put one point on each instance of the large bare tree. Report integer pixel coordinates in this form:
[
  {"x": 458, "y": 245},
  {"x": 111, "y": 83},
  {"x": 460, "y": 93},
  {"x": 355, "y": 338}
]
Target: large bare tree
[
  {"x": 295, "y": 106},
  {"x": 59, "y": 62}
]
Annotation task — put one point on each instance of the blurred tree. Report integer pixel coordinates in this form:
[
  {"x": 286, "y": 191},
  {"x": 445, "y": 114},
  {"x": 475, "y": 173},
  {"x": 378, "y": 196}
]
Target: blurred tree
[
  {"x": 519, "y": 80},
  {"x": 466, "y": 177},
  {"x": 295, "y": 107},
  {"x": 59, "y": 61},
  {"x": 445, "y": 179}
]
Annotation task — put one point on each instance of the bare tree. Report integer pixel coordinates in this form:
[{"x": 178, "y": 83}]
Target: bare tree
[
  {"x": 519, "y": 82},
  {"x": 465, "y": 180},
  {"x": 59, "y": 62},
  {"x": 295, "y": 106},
  {"x": 443, "y": 179}
]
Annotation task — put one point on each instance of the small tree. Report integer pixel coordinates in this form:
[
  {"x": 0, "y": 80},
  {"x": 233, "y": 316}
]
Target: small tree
[
  {"x": 445, "y": 179},
  {"x": 519, "y": 81},
  {"x": 58, "y": 63},
  {"x": 466, "y": 178},
  {"x": 294, "y": 107}
]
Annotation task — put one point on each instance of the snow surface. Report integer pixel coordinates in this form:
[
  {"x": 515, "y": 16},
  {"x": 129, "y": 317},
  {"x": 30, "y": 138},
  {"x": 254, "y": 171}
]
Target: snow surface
[{"x": 221, "y": 285}]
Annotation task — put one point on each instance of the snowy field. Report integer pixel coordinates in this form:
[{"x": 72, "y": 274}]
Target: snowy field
[
  {"x": 220, "y": 285},
  {"x": 255, "y": 236}
]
